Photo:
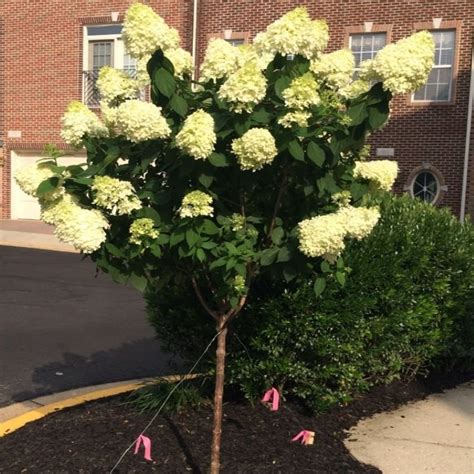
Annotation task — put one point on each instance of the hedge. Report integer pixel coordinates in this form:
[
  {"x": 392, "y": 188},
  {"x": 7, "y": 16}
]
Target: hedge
[{"x": 407, "y": 308}]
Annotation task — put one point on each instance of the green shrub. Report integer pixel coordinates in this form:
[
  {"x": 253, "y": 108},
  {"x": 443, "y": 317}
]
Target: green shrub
[{"x": 407, "y": 307}]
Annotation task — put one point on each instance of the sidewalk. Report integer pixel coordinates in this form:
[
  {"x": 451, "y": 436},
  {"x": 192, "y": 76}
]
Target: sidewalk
[
  {"x": 30, "y": 234},
  {"x": 435, "y": 435}
]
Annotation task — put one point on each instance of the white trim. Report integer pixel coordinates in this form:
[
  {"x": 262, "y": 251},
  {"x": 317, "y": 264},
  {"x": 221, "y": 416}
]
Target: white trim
[
  {"x": 440, "y": 66},
  {"x": 468, "y": 141},
  {"x": 194, "y": 40},
  {"x": 426, "y": 169}
]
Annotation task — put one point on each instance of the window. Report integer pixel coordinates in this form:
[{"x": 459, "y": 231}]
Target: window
[
  {"x": 425, "y": 186},
  {"x": 103, "y": 46},
  {"x": 236, "y": 42},
  {"x": 365, "y": 46},
  {"x": 426, "y": 183},
  {"x": 439, "y": 85}
]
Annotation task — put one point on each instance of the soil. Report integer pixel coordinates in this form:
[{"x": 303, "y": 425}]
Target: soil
[{"x": 91, "y": 437}]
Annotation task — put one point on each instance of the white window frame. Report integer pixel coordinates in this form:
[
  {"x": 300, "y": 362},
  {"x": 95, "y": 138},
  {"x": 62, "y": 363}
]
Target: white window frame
[
  {"x": 441, "y": 66},
  {"x": 367, "y": 33},
  {"x": 117, "y": 55}
]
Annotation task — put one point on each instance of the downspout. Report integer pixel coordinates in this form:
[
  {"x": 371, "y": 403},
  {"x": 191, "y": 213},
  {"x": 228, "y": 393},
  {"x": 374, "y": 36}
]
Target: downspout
[
  {"x": 194, "y": 43},
  {"x": 468, "y": 141}
]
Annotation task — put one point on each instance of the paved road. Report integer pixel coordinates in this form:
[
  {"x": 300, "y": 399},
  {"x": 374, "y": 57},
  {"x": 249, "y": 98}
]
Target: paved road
[{"x": 61, "y": 327}]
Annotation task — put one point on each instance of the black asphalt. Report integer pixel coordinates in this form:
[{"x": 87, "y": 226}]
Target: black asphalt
[{"x": 62, "y": 327}]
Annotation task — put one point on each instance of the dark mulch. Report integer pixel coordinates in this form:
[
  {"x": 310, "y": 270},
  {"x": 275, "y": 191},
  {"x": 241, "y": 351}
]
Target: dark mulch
[{"x": 91, "y": 437}]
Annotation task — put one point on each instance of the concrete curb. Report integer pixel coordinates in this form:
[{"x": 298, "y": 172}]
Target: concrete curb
[{"x": 17, "y": 415}]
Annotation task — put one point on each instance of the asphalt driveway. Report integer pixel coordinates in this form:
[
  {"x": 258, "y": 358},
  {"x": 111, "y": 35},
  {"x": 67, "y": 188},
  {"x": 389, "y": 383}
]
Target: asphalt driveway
[{"x": 62, "y": 327}]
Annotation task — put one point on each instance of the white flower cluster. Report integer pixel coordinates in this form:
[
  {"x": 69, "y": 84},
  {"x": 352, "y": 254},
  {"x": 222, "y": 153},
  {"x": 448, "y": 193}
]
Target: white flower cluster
[
  {"x": 31, "y": 176},
  {"x": 297, "y": 117},
  {"x": 244, "y": 88},
  {"x": 116, "y": 85},
  {"x": 182, "y": 62},
  {"x": 220, "y": 60},
  {"x": 145, "y": 32},
  {"x": 75, "y": 225},
  {"x": 79, "y": 122},
  {"x": 142, "y": 76},
  {"x": 403, "y": 66},
  {"x": 323, "y": 236},
  {"x": 115, "y": 195},
  {"x": 197, "y": 137},
  {"x": 354, "y": 89},
  {"x": 335, "y": 68},
  {"x": 248, "y": 53},
  {"x": 140, "y": 121},
  {"x": 359, "y": 221},
  {"x": 254, "y": 149},
  {"x": 382, "y": 173},
  {"x": 294, "y": 33},
  {"x": 196, "y": 203},
  {"x": 141, "y": 230},
  {"x": 302, "y": 93}
]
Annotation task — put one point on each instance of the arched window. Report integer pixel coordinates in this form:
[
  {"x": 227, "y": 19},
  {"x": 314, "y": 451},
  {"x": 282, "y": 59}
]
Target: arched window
[
  {"x": 425, "y": 186},
  {"x": 426, "y": 183}
]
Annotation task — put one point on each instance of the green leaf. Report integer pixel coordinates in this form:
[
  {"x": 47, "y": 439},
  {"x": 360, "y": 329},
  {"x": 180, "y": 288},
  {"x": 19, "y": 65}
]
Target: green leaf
[
  {"x": 149, "y": 213},
  {"x": 219, "y": 160},
  {"x": 242, "y": 126},
  {"x": 163, "y": 239},
  {"x": 268, "y": 256},
  {"x": 84, "y": 181},
  {"x": 261, "y": 116},
  {"x": 179, "y": 105},
  {"x": 357, "y": 113},
  {"x": 156, "y": 250},
  {"x": 277, "y": 235},
  {"x": 191, "y": 237},
  {"x": 209, "y": 228},
  {"x": 378, "y": 114},
  {"x": 341, "y": 278},
  {"x": 325, "y": 267},
  {"x": 47, "y": 186},
  {"x": 319, "y": 286},
  {"x": 241, "y": 269},
  {"x": 176, "y": 238},
  {"x": 284, "y": 255},
  {"x": 138, "y": 281},
  {"x": 164, "y": 82},
  {"x": 340, "y": 263},
  {"x": 296, "y": 151},
  {"x": 201, "y": 256},
  {"x": 113, "y": 249},
  {"x": 206, "y": 180},
  {"x": 280, "y": 85},
  {"x": 208, "y": 245},
  {"x": 316, "y": 154},
  {"x": 220, "y": 262}
]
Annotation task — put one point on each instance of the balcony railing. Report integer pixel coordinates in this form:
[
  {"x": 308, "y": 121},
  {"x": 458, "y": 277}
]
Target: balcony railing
[{"x": 91, "y": 94}]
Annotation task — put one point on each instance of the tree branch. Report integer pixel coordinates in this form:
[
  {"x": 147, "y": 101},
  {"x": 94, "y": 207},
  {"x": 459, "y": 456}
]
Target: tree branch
[
  {"x": 277, "y": 204},
  {"x": 202, "y": 301}
]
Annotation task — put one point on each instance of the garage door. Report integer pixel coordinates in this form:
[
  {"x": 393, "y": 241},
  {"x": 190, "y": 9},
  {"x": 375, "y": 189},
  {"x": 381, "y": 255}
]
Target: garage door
[{"x": 22, "y": 205}]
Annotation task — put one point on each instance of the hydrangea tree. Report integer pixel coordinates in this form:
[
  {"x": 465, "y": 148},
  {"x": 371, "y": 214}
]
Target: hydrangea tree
[{"x": 257, "y": 168}]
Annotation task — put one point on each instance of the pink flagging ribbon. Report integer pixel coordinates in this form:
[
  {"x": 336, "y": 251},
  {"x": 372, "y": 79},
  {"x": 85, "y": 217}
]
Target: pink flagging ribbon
[
  {"x": 273, "y": 396},
  {"x": 304, "y": 436},
  {"x": 146, "y": 444}
]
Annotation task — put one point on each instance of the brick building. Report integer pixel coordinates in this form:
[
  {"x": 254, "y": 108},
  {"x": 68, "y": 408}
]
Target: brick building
[{"x": 51, "y": 49}]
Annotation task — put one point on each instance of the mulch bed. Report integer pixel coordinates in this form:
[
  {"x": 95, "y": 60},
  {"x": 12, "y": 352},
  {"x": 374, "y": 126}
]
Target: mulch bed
[{"x": 91, "y": 437}]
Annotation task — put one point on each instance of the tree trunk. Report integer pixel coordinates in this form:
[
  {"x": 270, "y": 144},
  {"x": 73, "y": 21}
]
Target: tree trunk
[{"x": 218, "y": 395}]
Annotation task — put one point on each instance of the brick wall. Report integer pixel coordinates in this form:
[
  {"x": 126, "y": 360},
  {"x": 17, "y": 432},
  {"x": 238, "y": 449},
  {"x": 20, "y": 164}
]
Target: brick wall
[
  {"x": 420, "y": 134},
  {"x": 41, "y": 64},
  {"x": 3, "y": 190}
]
